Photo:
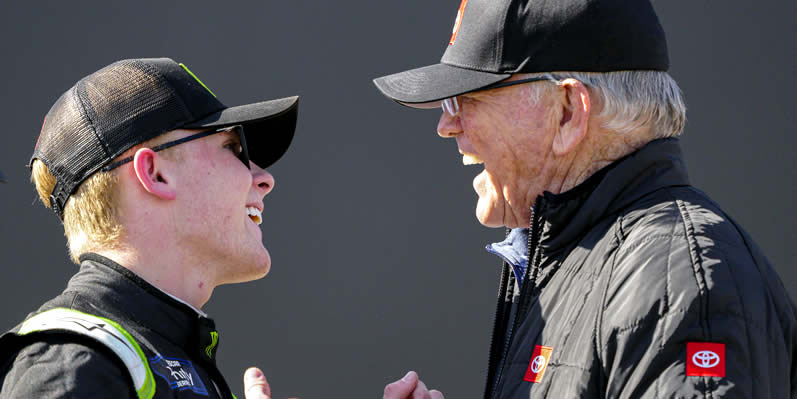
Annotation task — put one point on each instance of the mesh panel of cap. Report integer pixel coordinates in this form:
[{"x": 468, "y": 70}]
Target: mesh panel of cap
[
  {"x": 66, "y": 131},
  {"x": 120, "y": 101},
  {"x": 103, "y": 115}
]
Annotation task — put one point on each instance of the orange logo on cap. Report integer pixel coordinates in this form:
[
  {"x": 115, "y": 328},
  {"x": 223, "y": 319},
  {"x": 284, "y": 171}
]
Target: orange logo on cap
[{"x": 458, "y": 22}]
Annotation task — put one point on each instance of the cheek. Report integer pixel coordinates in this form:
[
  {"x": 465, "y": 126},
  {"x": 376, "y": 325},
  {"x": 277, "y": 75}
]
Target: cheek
[
  {"x": 497, "y": 153},
  {"x": 237, "y": 189},
  {"x": 221, "y": 195},
  {"x": 490, "y": 134}
]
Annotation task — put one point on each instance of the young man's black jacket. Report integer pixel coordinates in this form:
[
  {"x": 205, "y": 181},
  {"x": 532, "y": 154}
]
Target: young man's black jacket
[
  {"x": 176, "y": 342},
  {"x": 640, "y": 286}
]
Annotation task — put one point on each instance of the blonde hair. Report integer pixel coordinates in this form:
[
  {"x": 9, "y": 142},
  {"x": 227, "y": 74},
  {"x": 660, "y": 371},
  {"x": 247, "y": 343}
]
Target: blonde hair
[{"x": 91, "y": 214}]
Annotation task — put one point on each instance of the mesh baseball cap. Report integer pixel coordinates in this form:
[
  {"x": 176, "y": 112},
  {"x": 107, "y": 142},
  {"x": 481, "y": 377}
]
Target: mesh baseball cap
[
  {"x": 132, "y": 101},
  {"x": 493, "y": 39}
]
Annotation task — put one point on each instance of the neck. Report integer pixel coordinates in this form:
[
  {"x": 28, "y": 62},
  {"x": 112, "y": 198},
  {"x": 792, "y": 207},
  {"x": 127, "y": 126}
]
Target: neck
[
  {"x": 599, "y": 149},
  {"x": 163, "y": 267}
]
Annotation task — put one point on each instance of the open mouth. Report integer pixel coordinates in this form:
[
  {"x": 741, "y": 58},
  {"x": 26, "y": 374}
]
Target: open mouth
[
  {"x": 254, "y": 214},
  {"x": 471, "y": 159}
]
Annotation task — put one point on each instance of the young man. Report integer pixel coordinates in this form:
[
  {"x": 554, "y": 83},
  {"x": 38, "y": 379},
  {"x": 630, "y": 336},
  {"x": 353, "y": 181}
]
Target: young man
[
  {"x": 160, "y": 189},
  {"x": 620, "y": 279}
]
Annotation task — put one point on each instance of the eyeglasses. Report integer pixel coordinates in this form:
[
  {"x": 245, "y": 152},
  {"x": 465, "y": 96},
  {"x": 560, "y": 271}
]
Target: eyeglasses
[
  {"x": 240, "y": 151},
  {"x": 450, "y": 105}
]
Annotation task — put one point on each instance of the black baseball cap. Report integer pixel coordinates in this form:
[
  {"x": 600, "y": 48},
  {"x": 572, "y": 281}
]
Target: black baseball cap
[
  {"x": 493, "y": 39},
  {"x": 132, "y": 101}
]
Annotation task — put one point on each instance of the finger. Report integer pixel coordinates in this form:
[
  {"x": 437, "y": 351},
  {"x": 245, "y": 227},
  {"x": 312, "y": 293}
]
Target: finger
[
  {"x": 255, "y": 384},
  {"x": 402, "y": 388},
  {"x": 435, "y": 394},
  {"x": 421, "y": 392}
]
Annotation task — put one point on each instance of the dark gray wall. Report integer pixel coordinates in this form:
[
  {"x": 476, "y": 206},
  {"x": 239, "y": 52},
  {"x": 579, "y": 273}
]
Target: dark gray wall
[{"x": 379, "y": 264}]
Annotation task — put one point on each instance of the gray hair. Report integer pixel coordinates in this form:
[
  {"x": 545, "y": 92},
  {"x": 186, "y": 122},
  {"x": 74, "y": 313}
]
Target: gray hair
[{"x": 631, "y": 99}]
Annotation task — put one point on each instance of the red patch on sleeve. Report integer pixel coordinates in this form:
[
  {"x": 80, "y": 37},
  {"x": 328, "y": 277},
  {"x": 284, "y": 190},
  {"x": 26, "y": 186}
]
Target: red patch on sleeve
[{"x": 705, "y": 359}]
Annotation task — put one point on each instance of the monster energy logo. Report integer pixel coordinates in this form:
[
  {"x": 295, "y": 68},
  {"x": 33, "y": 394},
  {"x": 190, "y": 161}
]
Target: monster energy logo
[
  {"x": 196, "y": 78},
  {"x": 214, "y": 340}
]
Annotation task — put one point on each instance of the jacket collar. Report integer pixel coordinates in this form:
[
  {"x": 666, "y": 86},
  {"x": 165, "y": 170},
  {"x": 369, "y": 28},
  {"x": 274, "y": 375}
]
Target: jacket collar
[
  {"x": 569, "y": 215},
  {"x": 120, "y": 292}
]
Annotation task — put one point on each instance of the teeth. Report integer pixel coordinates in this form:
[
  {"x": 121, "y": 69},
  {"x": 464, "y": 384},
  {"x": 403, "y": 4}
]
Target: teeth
[
  {"x": 471, "y": 159},
  {"x": 254, "y": 214}
]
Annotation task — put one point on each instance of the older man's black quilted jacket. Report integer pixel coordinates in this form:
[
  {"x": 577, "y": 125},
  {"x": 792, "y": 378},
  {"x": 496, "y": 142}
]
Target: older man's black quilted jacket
[{"x": 640, "y": 286}]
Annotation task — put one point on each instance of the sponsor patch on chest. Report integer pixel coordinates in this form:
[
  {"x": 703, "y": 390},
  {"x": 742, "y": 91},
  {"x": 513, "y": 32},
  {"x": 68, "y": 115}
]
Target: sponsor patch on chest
[
  {"x": 539, "y": 362},
  {"x": 705, "y": 359},
  {"x": 178, "y": 373}
]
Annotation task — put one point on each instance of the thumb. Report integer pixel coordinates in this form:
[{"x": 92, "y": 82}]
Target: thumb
[
  {"x": 402, "y": 388},
  {"x": 255, "y": 384}
]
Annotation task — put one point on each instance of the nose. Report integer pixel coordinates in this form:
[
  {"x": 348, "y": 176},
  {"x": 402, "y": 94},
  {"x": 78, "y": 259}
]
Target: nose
[
  {"x": 261, "y": 179},
  {"x": 449, "y": 126}
]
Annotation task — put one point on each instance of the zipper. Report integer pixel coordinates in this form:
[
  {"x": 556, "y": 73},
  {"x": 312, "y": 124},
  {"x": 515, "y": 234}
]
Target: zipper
[
  {"x": 500, "y": 310},
  {"x": 529, "y": 282},
  {"x": 533, "y": 270}
]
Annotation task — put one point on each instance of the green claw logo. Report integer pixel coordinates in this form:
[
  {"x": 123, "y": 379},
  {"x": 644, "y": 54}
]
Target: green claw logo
[{"x": 214, "y": 340}]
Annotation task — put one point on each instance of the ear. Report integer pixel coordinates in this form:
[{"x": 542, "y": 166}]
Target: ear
[
  {"x": 575, "y": 117},
  {"x": 148, "y": 165}
]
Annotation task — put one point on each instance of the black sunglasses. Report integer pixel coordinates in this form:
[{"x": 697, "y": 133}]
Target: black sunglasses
[{"x": 242, "y": 153}]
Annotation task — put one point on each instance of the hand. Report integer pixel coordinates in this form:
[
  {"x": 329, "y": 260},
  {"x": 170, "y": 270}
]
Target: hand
[
  {"x": 410, "y": 387},
  {"x": 255, "y": 384}
]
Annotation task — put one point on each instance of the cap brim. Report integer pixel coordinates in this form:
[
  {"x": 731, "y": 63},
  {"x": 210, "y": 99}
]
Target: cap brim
[
  {"x": 425, "y": 87},
  {"x": 269, "y": 126}
]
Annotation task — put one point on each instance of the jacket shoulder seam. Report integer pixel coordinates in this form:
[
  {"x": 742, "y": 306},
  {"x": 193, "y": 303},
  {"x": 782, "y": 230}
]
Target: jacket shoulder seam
[{"x": 697, "y": 267}]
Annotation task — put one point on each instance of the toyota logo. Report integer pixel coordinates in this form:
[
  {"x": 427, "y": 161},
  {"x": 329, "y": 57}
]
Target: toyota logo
[
  {"x": 705, "y": 359},
  {"x": 538, "y": 364}
]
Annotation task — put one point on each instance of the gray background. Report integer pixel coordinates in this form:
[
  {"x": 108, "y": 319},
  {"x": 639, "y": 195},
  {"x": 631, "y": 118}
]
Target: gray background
[{"x": 379, "y": 264}]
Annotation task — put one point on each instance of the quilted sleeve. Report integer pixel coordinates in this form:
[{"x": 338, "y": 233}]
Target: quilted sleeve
[{"x": 689, "y": 316}]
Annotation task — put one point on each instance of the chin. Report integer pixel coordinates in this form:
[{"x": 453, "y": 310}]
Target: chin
[
  {"x": 487, "y": 217},
  {"x": 261, "y": 266},
  {"x": 250, "y": 268},
  {"x": 490, "y": 224}
]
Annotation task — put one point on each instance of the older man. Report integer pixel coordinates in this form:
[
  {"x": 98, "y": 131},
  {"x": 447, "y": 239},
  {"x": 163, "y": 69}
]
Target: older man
[
  {"x": 160, "y": 190},
  {"x": 620, "y": 279}
]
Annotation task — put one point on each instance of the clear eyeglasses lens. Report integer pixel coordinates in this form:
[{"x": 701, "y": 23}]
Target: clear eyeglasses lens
[{"x": 450, "y": 106}]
